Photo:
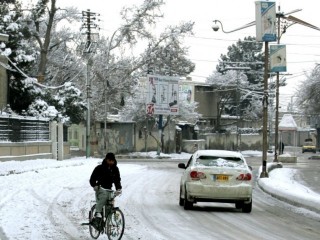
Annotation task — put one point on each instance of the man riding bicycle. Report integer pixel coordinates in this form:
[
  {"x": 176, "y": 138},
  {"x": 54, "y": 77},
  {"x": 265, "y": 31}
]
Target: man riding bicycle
[{"x": 102, "y": 178}]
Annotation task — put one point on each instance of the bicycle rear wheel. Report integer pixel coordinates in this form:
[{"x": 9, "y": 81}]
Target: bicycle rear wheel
[
  {"x": 93, "y": 232},
  {"x": 115, "y": 224}
]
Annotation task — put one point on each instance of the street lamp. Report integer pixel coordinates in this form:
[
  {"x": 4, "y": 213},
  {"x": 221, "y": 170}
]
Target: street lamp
[
  {"x": 215, "y": 27},
  {"x": 265, "y": 96}
]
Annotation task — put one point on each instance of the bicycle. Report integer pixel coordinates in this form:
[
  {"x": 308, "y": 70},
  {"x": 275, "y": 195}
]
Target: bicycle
[{"x": 112, "y": 222}]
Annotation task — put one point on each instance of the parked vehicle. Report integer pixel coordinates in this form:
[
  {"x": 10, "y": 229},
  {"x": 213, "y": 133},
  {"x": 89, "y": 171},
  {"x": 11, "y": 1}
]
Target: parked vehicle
[
  {"x": 308, "y": 146},
  {"x": 216, "y": 176}
]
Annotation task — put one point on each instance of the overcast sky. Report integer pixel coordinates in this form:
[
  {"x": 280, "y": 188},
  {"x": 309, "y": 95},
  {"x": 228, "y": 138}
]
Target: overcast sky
[{"x": 206, "y": 46}]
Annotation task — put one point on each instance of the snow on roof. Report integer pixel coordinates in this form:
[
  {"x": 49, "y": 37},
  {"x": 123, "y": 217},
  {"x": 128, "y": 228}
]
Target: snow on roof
[
  {"x": 221, "y": 153},
  {"x": 287, "y": 123}
]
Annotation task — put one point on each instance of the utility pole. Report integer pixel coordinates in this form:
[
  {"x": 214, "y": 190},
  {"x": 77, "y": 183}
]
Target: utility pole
[
  {"x": 282, "y": 27},
  {"x": 288, "y": 21},
  {"x": 90, "y": 26},
  {"x": 264, "y": 172}
]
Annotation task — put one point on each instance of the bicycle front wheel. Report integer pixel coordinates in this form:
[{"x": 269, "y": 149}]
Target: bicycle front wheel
[
  {"x": 93, "y": 231},
  {"x": 115, "y": 224}
]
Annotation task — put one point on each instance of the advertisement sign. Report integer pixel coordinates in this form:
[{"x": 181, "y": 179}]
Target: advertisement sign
[
  {"x": 162, "y": 95},
  {"x": 278, "y": 59},
  {"x": 266, "y": 21},
  {"x": 186, "y": 92}
]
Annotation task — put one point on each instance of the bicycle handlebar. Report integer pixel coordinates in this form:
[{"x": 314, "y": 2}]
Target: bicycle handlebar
[{"x": 115, "y": 193}]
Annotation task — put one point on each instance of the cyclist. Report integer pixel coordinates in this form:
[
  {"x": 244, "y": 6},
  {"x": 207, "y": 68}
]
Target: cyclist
[{"x": 102, "y": 178}]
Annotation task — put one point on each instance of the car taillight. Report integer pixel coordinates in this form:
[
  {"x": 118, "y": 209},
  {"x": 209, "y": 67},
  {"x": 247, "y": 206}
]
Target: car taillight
[
  {"x": 244, "y": 177},
  {"x": 195, "y": 175}
]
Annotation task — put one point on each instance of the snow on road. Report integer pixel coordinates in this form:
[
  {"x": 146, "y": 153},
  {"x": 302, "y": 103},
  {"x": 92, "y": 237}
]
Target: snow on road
[{"x": 49, "y": 199}]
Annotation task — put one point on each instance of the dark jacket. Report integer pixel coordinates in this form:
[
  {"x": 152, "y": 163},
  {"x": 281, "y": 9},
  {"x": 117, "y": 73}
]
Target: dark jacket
[{"x": 105, "y": 176}]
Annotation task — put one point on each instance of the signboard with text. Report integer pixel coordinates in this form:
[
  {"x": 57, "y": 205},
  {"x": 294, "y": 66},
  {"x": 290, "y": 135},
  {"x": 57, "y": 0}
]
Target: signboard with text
[{"x": 162, "y": 95}]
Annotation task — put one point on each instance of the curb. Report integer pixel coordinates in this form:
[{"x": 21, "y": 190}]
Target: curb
[{"x": 298, "y": 202}]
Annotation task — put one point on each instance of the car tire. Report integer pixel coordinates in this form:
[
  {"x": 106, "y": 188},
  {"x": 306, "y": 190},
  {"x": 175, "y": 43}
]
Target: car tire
[
  {"x": 247, "y": 207},
  {"x": 239, "y": 205},
  {"x": 181, "y": 200},
  {"x": 187, "y": 204}
]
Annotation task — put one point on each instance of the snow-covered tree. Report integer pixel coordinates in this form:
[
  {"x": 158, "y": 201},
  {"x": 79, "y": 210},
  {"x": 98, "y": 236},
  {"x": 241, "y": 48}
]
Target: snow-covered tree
[
  {"x": 135, "y": 110},
  {"x": 245, "y": 53},
  {"x": 228, "y": 87},
  {"x": 37, "y": 46},
  {"x": 21, "y": 55},
  {"x": 116, "y": 67},
  {"x": 308, "y": 96}
]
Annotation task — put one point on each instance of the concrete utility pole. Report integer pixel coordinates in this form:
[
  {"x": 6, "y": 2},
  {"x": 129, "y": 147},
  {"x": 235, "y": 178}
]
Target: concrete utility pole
[
  {"x": 264, "y": 172},
  {"x": 89, "y": 24},
  {"x": 283, "y": 23},
  {"x": 288, "y": 21}
]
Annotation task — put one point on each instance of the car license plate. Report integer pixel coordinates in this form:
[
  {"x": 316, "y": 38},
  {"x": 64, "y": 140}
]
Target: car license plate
[{"x": 220, "y": 177}]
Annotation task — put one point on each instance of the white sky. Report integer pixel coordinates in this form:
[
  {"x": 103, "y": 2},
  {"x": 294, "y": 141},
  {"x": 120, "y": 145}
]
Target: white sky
[
  {"x": 37, "y": 197},
  {"x": 303, "y": 44}
]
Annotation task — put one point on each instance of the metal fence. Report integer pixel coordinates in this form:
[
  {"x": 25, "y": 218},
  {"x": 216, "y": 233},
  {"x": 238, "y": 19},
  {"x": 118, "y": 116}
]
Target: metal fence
[{"x": 23, "y": 129}]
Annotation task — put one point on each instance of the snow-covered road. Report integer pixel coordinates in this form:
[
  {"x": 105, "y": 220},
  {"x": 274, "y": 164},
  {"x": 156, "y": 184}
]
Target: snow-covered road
[{"x": 47, "y": 199}]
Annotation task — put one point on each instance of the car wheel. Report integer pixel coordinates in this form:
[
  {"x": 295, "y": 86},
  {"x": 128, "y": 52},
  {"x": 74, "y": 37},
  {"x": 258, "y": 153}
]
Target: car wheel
[
  {"x": 247, "y": 207},
  {"x": 187, "y": 204},
  {"x": 239, "y": 205},
  {"x": 181, "y": 201}
]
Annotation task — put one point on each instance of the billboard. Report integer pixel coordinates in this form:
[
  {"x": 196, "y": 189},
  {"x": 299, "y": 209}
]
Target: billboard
[
  {"x": 278, "y": 59},
  {"x": 186, "y": 92},
  {"x": 162, "y": 95},
  {"x": 266, "y": 21}
]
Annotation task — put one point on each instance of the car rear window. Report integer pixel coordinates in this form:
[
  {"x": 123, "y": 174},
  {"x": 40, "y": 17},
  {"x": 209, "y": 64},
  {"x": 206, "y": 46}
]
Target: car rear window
[
  {"x": 308, "y": 144},
  {"x": 219, "y": 161}
]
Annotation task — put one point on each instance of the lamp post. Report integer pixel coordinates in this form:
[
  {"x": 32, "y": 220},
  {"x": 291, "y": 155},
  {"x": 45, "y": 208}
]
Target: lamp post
[
  {"x": 264, "y": 172},
  {"x": 216, "y": 27},
  {"x": 265, "y": 96}
]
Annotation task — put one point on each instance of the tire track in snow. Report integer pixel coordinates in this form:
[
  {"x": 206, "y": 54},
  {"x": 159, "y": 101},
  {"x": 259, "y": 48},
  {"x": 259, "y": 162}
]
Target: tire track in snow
[{"x": 58, "y": 219}]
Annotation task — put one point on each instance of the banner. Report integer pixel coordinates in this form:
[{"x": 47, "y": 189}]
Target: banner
[
  {"x": 278, "y": 59},
  {"x": 162, "y": 95},
  {"x": 266, "y": 21}
]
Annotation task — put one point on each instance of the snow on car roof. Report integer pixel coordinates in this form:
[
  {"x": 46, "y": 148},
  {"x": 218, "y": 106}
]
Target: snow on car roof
[{"x": 221, "y": 153}]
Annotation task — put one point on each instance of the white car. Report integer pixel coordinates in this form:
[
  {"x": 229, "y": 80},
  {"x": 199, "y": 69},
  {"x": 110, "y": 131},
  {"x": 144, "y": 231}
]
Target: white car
[{"x": 216, "y": 176}]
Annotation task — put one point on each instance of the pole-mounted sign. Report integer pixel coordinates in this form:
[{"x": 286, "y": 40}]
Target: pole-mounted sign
[
  {"x": 278, "y": 59},
  {"x": 266, "y": 21},
  {"x": 162, "y": 95}
]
